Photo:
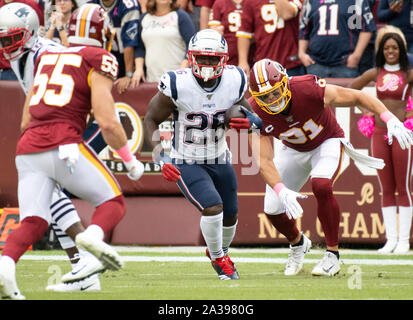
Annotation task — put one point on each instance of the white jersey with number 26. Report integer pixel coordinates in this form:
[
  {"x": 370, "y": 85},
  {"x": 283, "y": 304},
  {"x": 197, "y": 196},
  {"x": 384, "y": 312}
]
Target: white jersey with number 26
[{"x": 199, "y": 130}]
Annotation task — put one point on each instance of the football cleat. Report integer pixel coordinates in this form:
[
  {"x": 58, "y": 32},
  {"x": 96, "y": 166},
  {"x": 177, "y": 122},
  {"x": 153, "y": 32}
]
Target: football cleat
[
  {"x": 402, "y": 247},
  {"x": 328, "y": 266},
  {"x": 91, "y": 283},
  {"x": 86, "y": 266},
  {"x": 223, "y": 269},
  {"x": 101, "y": 250},
  {"x": 229, "y": 261},
  {"x": 388, "y": 247},
  {"x": 296, "y": 257},
  {"x": 8, "y": 284}
]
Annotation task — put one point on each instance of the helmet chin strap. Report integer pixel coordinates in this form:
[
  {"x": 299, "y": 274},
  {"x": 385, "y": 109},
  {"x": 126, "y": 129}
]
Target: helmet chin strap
[{"x": 207, "y": 73}]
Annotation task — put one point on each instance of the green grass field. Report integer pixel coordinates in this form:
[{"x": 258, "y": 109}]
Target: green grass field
[{"x": 185, "y": 274}]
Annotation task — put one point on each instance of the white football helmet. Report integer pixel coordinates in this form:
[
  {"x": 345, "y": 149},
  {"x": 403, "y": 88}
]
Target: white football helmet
[
  {"x": 207, "y": 42},
  {"x": 19, "y": 25}
]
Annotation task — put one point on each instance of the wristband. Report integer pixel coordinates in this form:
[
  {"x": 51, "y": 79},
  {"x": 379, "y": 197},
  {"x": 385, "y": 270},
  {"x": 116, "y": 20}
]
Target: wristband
[
  {"x": 129, "y": 74},
  {"x": 278, "y": 187},
  {"x": 386, "y": 116},
  {"x": 124, "y": 153},
  {"x": 61, "y": 28}
]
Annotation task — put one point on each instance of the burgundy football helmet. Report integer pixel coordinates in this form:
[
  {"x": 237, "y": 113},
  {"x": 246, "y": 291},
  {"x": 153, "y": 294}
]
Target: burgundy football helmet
[
  {"x": 90, "y": 25},
  {"x": 269, "y": 86}
]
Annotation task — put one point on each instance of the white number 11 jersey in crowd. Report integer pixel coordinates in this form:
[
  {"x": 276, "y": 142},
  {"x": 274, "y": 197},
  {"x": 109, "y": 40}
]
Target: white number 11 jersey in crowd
[{"x": 199, "y": 130}]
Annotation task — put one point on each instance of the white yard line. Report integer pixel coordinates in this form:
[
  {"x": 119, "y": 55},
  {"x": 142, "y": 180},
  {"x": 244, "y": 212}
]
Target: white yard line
[
  {"x": 381, "y": 262},
  {"x": 195, "y": 249}
]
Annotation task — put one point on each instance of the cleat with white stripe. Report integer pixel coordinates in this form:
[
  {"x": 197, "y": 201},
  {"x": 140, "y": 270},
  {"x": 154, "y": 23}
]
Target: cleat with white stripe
[
  {"x": 92, "y": 241},
  {"x": 87, "y": 265},
  {"x": 328, "y": 266},
  {"x": 91, "y": 283},
  {"x": 296, "y": 257}
]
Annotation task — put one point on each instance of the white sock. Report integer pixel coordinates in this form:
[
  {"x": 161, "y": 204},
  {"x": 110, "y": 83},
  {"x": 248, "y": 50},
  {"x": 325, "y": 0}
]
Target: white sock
[
  {"x": 228, "y": 234},
  {"x": 390, "y": 222},
  {"x": 211, "y": 227},
  {"x": 405, "y": 223},
  {"x": 95, "y": 231}
]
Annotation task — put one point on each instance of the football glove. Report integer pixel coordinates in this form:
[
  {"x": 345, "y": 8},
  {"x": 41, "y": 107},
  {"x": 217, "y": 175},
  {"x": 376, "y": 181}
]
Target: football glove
[
  {"x": 252, "y": 121},
  {"x": 395, "y": 128},
  {"x": 135, "y": 169},
  {"x": 292, "y": 208},
  {"x": 169, "y": 171}
]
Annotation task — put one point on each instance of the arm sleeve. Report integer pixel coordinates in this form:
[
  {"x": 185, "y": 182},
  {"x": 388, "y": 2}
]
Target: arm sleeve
[
  {"x": 368, "y": 19},
  {"x": 384, "y": 14},
  {"x": 167, "y": 85},
  {"x": 305, "y": 23},
  {"x": 140, "y": 50},
  {"x": 129, "y": 30},
  {"x": 246, "y": 29},
  {"x": 186, "y": 26}
]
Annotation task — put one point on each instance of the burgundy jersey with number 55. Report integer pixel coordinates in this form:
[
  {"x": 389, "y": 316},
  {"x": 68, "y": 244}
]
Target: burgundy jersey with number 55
[
  {"x": 309, "y": 122},
  {"x": 61, "y": 99}
]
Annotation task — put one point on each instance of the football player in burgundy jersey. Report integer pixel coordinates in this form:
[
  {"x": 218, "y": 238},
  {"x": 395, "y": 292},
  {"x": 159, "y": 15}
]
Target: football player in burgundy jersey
[
  {"x": 226, "y": 19},
  {"x": 68, "y": 85},
  {"x": 295, "y": 110},
  {"x": 22, "y": 56},
  {"x": 393, "y": 79},
  {"x": 274, "y": 26}
]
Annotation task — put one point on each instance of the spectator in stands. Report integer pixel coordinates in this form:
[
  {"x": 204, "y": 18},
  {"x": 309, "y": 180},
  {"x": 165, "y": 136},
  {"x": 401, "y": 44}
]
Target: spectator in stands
[
  {"x": 59, "y": 20},
  {"x": 226, "y": 19},
  {"x": 125, "y": 16},
  {"x": 194, "y": 12},
  {"x": 393, "y": 78},
  {"x": 398, "y": 13},
  {"x": 6, "y": 73},
  {"x": 205, "y": 12},
  {"x": 333, "y": 37},
  {"x": 275, "y": 29},
  {"x": 367, "y": 60},
  {"x": 164, "y": 34}
]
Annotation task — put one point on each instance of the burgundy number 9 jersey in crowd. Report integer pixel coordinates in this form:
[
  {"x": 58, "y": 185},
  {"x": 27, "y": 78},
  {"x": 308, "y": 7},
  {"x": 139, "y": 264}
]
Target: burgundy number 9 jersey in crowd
[
  {"x": 61, "y": 99},
  {"x": 308, "y": 123}
]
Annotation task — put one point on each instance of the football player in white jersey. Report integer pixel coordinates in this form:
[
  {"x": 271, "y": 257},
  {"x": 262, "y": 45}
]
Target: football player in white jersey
[
  {"x": 200, "y": 160},
  {"x": 20, "y": 45}
]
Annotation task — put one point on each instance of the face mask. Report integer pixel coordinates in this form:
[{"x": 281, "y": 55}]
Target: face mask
[
  {"x": 279, "y": 107},
  {"x": 207, "y": 73}
]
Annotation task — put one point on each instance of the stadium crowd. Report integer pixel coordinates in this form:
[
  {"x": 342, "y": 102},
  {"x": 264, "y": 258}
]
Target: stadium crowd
[{"x": 278, "y": 39}]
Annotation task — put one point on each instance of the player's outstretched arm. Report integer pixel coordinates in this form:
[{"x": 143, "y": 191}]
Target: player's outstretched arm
[
  {"x": 113, "y": 133},
  {"x": 337, "y": 96}
]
